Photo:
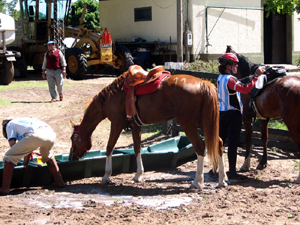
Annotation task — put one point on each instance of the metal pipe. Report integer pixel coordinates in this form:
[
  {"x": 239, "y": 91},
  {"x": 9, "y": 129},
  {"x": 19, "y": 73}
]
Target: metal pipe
[
  {"x": 231, "y": 7},
  {"x": 220, "y": 7}
]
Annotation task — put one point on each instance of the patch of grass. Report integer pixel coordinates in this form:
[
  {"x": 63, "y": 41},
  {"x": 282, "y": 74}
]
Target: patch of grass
[
  {"x": 297, "y": 60},
  {"x": 210, "y": 66},
  {"x": 289, "y": 185},
  {"x": 297, "y": 166},
  {"x": 274, "y": 149},
  {"x": 277, "y": 124},
  {"x": 151, "y": 130},
  {"x": 24, "y": 84},
  {"x": 4, "y": 102}
]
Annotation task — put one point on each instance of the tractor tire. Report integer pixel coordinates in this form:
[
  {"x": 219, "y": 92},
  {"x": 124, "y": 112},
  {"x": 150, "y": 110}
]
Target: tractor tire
[
  {"x": 76, "y": 63},
  {"x": 6, "y": 72},
  {"x": 124, "y": 59},
  {"x": 20, "y": 65}
]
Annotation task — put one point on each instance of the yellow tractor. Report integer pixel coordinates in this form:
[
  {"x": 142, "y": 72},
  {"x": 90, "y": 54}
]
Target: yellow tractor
[{"x": 46, "y": 20}]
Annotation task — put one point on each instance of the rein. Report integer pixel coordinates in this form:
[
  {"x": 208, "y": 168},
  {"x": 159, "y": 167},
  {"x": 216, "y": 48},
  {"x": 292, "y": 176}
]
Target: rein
[{"x": 77, "y": 135}]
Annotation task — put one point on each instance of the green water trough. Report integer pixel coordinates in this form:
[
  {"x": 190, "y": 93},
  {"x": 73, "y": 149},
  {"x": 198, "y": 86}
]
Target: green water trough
[{"x": 166, "y": 154}]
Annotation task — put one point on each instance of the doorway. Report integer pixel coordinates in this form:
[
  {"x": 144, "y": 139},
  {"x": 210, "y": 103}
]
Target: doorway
[{"x": 275, "y": 39}]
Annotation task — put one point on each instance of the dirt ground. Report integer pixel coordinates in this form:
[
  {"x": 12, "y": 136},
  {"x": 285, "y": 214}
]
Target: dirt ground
[{"x": 267, "y": 197}]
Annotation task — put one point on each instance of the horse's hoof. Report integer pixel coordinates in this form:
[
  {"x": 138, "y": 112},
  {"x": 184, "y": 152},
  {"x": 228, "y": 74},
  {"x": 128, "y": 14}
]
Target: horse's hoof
[
  {"x": 105, "y": 181},
  {"x": 245, "y": 167},
  {"x": 222, "y": 185},
  {"x": 196, "y": 186},
  {"x": 138, "y": 178},
  {"x": 261, "y": 166}
]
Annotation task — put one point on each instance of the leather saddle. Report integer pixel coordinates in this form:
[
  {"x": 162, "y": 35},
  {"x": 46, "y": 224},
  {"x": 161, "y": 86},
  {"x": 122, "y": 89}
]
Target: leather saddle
[
  {"x": 271, "y": 74},
  {"x": 136, "y": 77}
]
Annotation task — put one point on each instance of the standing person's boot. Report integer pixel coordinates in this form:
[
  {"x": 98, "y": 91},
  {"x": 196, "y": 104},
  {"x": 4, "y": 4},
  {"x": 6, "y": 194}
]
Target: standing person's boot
[
  {"x": 232, "y": 174},
  {"x": 54, "y": 169},
  {"x": 7, "y": 176}
]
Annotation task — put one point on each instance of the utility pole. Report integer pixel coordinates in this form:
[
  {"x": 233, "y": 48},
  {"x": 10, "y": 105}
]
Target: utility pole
[{"x": 179, "y": 32}]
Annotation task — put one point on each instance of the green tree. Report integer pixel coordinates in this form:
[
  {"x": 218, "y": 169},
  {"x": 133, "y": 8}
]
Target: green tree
[
  {"x": 9, "y": 8},
  {"x": 91, "y": 18},
  {"x": 282, "y": 6}
]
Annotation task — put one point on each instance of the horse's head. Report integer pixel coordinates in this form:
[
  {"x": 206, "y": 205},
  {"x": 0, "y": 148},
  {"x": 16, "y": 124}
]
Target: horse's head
[
  {"x": 245, "y": 66},
  {"x": 79, "y": 146}
]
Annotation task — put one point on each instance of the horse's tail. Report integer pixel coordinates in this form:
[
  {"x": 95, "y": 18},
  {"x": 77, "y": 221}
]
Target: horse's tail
[{"x": 210, "y": 121}]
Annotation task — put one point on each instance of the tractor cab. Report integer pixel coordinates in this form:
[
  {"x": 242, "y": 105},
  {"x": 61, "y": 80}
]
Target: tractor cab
[{"x": 41, "y": 20}]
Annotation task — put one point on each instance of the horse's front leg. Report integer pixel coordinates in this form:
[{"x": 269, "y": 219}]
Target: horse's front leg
[
  {"x": 264, "y": 138},
  {"x": 108, "y": 168},
  {"x": 115, "y": 132},
  {"x": 136, "y": 135}
]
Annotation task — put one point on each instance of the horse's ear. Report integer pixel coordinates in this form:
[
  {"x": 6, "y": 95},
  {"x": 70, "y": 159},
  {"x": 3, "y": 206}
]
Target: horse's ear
[{"x": 72, "y": 123}]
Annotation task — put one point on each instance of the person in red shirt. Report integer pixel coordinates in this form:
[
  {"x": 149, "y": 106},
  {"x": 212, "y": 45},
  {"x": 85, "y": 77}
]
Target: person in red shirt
[
  {"x": 55, "y": 65},
  {"x": 231, "y": 107}
]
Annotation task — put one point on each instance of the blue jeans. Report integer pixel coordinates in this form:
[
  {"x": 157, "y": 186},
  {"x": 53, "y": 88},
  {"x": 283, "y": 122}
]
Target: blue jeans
[{"x": 230, "y": 128}]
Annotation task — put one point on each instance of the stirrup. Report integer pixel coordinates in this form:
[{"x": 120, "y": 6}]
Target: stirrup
[{"x": 129, "y": 126}]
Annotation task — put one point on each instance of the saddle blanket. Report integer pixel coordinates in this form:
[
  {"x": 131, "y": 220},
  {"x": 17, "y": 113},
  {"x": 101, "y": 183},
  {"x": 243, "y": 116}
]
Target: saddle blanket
[{"x": 149, "y": 88}]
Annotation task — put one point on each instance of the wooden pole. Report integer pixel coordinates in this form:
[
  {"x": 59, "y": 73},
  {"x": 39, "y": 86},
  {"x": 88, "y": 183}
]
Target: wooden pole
[{"x": 179, "y": 32}]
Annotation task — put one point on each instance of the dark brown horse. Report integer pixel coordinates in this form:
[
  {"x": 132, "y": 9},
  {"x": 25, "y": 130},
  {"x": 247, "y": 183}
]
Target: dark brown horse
[
  {"x": 192, "y": 101},
  {"x": 280, "y": 99}
]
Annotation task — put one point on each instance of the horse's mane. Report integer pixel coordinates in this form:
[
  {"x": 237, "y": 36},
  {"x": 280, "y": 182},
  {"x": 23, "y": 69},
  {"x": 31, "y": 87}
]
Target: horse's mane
[
  {"x": 246, "y": 67},
  {"x": 115, "y": 86}
]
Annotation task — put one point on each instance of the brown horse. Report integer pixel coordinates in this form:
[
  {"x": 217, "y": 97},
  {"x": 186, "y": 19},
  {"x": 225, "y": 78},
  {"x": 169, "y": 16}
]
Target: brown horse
[
  {"x": 192, "y": 101},
  {"x": 279, "y": 99}
]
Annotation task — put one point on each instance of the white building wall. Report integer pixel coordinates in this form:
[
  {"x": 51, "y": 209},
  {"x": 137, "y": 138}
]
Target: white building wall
[
  {"x": 232, "y": 25},
  {"x": 240, "y": 28},
  {"x": 118, "y": 17},
  {"x": 296, "y": 32}
]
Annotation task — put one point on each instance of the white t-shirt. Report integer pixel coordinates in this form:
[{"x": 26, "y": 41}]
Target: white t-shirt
[{"x": 16, "y": 128}]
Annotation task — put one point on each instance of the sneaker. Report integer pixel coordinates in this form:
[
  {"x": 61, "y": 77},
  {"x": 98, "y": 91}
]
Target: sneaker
[
  {"x": 236, "y": 176},
  {"x": 61, "y": 97},
  {"x": 53, "y": 100}
]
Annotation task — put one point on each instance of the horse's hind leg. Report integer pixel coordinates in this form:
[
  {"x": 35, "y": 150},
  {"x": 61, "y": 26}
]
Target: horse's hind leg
[
  {"x": 199, "y": 146},
  {"x": 294, "y": 129},
  {"x": 221, "y": 165}
]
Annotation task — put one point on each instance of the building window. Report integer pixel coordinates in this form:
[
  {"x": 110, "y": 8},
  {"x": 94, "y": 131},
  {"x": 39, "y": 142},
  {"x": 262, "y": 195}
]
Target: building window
[{"x": 143, "y": 14}]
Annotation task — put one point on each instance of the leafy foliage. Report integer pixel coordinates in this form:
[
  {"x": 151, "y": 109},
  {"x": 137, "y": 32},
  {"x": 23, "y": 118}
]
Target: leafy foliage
[
  {"x": 92, "y": 16},
  {"x": 282, "y": 6},
  {"x": 9, "y": 8},
  {"x": 297, "y": 60}
]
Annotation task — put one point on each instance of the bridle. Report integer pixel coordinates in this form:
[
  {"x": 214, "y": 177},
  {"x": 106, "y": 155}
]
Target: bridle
[{"x": 77, "y": 135}]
